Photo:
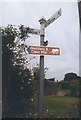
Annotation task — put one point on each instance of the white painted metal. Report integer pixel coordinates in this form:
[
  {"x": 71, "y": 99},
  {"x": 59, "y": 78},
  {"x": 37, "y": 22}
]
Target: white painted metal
[
  {"x": 33, "y": 31},
  {"x": 53, "y": 18}
]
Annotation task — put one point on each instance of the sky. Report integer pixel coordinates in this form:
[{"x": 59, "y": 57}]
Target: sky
[{"x": 62, "y": 33}]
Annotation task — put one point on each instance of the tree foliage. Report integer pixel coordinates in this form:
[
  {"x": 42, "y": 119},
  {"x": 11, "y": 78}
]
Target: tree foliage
[
  {"x": 17, "y": 80},
  {"x": 71, "y": 82},
  {"x": 71, "y": 76}
]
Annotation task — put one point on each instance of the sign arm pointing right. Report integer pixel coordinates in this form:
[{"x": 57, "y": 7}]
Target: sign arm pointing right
[{"x": 53, "y": 18}]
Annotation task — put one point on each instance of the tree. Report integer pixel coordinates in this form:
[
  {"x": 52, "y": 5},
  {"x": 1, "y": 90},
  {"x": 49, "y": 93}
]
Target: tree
[
  {"x": 65, "y": 84},
  {"x": 21, "y": 92},
  {"x": 71, "y": 76},
  {"x": 8, "y": 36},
  {"x": 71, "y": 82},
  {"x": 17, "y": 81},
  {"x": 74, "y": 88}
]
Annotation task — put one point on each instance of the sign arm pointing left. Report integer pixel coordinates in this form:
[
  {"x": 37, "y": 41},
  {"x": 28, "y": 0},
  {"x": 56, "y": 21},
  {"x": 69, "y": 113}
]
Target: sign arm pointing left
[{"x": 33, "y": 31}]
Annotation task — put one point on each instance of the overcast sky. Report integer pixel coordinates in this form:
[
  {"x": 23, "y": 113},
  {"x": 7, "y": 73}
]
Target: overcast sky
[{"x": 62, "y": 33}]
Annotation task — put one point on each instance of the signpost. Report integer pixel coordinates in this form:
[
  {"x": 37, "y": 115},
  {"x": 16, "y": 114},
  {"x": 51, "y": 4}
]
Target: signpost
[
  {"x": 33, "y": 31},
  {"x": 53, "y": 18},
  {"x": 42, "y": 50},
  {"x": 41, "y": 76}
]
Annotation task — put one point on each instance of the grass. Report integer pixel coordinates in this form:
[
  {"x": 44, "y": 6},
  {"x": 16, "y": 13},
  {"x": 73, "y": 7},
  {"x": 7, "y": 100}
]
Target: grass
[
  {"x": 60, "y": 101},
  {"x": 61, "y": 106}
]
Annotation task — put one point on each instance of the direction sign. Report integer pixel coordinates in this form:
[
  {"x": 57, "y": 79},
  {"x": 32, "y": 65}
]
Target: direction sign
[
  {"x": 53, "y": 18},
  {"x": 33, "y": 31},
  {"x": 42, "y": 50}
]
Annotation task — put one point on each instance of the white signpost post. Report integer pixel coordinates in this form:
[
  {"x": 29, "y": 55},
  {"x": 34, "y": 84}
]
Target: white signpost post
[{"x": 54, "y": 51}]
